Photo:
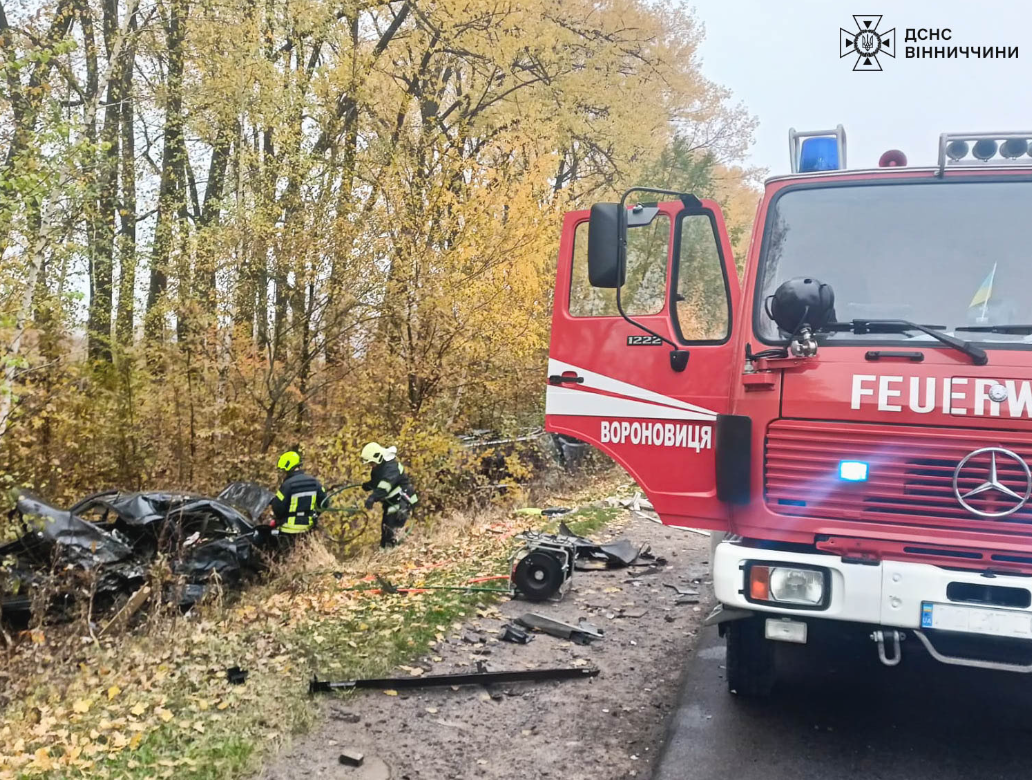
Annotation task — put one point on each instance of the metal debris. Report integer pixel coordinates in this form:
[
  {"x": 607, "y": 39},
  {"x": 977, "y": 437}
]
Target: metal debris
[
  {"x": 444, "y": 680},
  {"x": 681, "y": 591},
  {"x": 515, "y": 634},
  {"x": 581, "y": 634},
  {"x": 115, "y": 537}
]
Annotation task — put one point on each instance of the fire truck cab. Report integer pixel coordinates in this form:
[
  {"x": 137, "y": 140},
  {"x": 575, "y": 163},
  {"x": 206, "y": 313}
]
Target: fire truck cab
[{"x": 852, "y": 412}]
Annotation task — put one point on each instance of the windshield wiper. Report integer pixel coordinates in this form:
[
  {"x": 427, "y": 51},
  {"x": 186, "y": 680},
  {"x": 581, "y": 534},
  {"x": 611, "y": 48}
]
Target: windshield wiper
[
  {"x": 977, "y": 355},
  {"x": 1020, "y": 329}
]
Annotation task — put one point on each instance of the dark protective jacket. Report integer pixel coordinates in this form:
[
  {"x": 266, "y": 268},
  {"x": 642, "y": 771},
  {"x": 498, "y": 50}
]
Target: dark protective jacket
[
  {"x": 388, "y": 481},
  {"x": 298, "y": 502}
]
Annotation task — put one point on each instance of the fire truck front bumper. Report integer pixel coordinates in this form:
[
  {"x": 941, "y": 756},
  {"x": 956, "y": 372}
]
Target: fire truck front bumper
[{"x": 892, "y": 594}]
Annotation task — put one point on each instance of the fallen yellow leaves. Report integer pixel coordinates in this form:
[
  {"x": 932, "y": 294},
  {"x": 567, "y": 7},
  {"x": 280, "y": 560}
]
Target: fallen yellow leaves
[
  {"x": 42, "y": 760},
  {"x": 161, "y": 693}
]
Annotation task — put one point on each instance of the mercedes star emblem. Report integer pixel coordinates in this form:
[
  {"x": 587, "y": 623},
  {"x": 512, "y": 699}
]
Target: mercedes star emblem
[{"x": 992, "y": 481}]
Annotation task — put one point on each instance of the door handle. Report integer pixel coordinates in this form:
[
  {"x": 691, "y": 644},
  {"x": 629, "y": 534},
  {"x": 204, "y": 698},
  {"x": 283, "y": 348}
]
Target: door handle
[{"x": 557, "y": 379}]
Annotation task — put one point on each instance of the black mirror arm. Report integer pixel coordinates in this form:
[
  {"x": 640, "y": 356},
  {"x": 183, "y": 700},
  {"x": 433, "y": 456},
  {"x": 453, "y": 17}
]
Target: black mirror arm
[{"x": 678, "y": 356}]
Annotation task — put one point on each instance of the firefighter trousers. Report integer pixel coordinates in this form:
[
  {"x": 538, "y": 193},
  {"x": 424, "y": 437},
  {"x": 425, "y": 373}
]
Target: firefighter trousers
[{"x": 395, "y": 515}]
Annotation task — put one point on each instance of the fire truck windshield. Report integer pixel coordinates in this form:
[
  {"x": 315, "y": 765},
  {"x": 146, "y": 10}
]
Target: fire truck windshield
[{"x": 957, "y": 253}]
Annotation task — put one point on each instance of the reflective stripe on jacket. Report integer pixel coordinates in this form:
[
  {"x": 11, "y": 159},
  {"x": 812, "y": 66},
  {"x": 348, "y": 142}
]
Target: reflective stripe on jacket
[
  {"x": 388, "y": 481},
  {"x": 298, "y": 502}
]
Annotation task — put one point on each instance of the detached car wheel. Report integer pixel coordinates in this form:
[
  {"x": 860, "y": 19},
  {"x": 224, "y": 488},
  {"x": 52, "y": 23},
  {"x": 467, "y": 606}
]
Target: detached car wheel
[{"x": 750, "y": 658}]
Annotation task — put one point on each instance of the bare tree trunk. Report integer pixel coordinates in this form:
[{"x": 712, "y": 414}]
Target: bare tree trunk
[
  {"x": 210, "y": 214},
  {"x": 35, "y": 258},
  {"x": 170, "y": 193},
  {"x": 26, "y": 100},
  {"x": 103, "y": 217},
  {"x": 37, "y": 250},
  {"x": 127, "y": 209}
]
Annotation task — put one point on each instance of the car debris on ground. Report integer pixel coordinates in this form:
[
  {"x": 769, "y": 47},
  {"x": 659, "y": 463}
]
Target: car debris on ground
[
  {"x": 351, "y": 758},
  {"x": 479, "y": 677},
  {"x": 617, "y": 554},
  {"x": 112, "y": 539},
  {"x": 515, "y": 634},
  {"x": 432, "y": 733},
  {"x": 583, "y": 633}
]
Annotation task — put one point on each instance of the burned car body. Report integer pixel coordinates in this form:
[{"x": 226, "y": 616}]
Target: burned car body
[{"x": 113, "y": 538}]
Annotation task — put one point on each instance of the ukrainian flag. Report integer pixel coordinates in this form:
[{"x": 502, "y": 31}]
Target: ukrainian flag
[{"x": 985, "y": 291}]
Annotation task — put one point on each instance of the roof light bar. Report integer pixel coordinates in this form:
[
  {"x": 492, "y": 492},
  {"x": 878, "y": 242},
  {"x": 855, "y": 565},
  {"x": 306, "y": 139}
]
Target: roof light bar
[
  {"x": 1014, "y": 148},
  {"x": 985, "y": 149},
  {"x": 827, "y": 154}
]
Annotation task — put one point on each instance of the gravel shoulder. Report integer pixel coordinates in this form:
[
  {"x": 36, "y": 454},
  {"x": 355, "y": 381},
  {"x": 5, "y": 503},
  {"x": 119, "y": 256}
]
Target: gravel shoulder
[{"x": 610, "y": 726}]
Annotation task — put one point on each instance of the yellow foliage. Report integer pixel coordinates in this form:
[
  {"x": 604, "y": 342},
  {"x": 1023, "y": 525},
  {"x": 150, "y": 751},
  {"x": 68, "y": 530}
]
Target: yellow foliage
[{"x": 355, "y": 242}]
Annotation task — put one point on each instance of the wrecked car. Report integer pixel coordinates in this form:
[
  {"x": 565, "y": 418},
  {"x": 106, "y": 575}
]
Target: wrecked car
[{"x": 108, "y": 541}]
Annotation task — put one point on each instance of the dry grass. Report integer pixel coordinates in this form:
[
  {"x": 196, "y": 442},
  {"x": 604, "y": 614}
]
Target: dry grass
[{"x": 155, "y": 701}]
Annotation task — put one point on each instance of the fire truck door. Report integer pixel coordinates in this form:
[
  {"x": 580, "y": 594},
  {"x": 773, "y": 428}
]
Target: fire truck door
[{"x": 615, "y": 385}]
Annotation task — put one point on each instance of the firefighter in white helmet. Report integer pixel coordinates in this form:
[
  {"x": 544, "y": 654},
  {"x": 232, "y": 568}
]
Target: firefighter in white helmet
[{"x": 392, "y": 487}]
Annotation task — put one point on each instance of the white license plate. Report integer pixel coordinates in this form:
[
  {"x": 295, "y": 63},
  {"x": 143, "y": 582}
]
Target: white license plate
[{"x": 977, "y": 620}]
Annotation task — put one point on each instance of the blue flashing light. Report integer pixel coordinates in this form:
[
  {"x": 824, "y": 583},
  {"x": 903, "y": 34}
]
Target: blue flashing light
[
  {"x": 852, "y": 470},
  {"x": 819, "y": 154}
]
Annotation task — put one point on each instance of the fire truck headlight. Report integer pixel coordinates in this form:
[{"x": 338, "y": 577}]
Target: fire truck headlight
[
  {"x": 797, "y": 586},
  {"x": 853, "y": 470},
  {"x": 787, "y": 585}
]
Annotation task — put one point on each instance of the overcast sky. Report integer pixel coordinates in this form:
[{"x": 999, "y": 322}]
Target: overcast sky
[{"x": 781, "y": 59}]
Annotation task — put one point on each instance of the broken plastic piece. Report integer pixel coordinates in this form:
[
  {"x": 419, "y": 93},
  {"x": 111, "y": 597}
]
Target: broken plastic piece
[
  {"x": 351, "y": 757},
  {"x": 515, "y": 634},
  {"x": 618, "y": 554}
]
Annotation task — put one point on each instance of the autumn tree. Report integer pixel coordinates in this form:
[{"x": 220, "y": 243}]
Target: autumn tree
[{"x": 230, "y": 227}]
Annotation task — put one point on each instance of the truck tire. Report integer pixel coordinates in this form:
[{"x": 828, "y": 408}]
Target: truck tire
[{"x": 750, "y": 658}]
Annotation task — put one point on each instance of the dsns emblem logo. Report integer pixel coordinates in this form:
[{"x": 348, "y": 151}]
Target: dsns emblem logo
[{"x": 866, "y": 43}]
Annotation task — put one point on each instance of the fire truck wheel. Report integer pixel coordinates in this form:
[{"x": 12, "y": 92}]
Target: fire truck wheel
[
  {"x": 538, "y": 576},
  {"x": 750, "y": 658}
]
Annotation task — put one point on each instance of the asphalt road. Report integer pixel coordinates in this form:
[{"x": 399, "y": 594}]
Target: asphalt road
[{"x": 840, "y": 714}]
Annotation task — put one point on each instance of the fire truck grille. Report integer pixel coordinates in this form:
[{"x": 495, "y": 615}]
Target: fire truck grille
[{"x": 910, "y": 480}]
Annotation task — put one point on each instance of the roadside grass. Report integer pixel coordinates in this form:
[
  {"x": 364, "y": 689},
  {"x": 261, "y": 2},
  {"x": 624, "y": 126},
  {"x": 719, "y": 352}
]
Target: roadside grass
[
  {"x": 157, "y": 703},
  {"x": 586, "y": 520}
]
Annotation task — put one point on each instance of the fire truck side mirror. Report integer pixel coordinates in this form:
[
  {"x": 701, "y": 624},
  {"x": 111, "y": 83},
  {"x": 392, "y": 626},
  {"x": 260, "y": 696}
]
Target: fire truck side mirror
[{"x": 606, "y": 228}]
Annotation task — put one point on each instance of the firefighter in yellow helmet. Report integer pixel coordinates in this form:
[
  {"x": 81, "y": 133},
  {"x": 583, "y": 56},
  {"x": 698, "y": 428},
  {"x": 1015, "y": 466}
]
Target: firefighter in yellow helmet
[
  {"x": 392, "y": 487},
  {"x": 299, "y": 499}
]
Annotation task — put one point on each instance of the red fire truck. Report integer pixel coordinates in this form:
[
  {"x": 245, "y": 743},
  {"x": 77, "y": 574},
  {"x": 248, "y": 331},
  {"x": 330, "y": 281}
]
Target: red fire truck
[{"x": 853, "y": 413}]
